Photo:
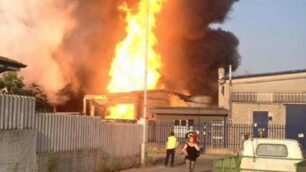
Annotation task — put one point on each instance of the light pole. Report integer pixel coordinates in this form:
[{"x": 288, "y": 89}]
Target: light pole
[{"x": 145, "y": 91}]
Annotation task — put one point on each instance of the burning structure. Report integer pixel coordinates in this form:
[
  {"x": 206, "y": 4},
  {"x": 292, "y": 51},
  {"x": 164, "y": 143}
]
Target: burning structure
[
  {"x": 129, "y": 66},
  {"x": 100, "y": 46},
  {"x": 163, "y": 105},
  {"x": 129, "y": 105}
]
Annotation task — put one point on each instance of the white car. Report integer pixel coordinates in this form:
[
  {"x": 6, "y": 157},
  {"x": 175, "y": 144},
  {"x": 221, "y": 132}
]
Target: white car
[{"x": 270, "y": 154}]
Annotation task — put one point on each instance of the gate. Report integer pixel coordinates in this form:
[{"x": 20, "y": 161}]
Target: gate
[
  {"x": 217, "y": 134},
  {"x": 260, "y": 122},
  {"x": 209, "y": 134}
]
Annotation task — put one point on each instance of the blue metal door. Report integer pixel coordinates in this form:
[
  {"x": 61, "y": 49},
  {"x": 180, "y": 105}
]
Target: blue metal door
[
  {"x": 296, "y": 123},
  {"x": 260, "y": 123}
]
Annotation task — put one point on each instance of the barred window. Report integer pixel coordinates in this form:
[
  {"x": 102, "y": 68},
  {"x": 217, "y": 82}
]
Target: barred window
[{"x": 183, "y": 123}]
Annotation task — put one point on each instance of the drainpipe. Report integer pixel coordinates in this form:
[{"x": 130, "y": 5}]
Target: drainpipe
[{"x": 230, "y": 92}]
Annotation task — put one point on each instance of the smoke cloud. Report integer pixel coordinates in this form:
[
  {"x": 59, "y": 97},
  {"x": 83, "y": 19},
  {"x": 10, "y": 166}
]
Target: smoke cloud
[
  {"x": 68, "y": 45},
  {"x": 191, "y": 50},
  {"x": 31, "y": 31}
]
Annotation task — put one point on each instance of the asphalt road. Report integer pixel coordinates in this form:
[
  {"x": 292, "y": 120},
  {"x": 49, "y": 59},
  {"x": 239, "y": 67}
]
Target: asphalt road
[{"x": 203, "y": 164}]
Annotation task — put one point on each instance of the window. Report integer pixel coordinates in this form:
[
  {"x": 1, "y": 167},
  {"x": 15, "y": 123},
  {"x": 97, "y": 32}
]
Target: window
[
  {"x": 274, "y": 150},
  {"x": 190, "y": 122},
  {"x": 183, "y": 123},
  {"x": 176, "y": 122}
]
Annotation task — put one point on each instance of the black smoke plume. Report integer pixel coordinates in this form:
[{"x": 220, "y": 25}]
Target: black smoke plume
[{"x": 192, "y": 51}]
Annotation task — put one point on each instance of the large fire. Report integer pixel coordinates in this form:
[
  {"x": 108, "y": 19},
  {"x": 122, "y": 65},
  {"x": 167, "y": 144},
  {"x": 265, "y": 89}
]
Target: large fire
[
  {"x": 121, "y": 111},
  {"x": 128, "y": 66}
]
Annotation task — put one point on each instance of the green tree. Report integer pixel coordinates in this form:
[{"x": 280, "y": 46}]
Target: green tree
[
  {"x": 15, "y": 85},
  {"x": 12, "y": 83}
]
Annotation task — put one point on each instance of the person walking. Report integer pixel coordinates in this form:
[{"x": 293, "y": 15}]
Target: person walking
[
  {"x": 191, "y": 150},
  {"x": 171, "y": 146}
]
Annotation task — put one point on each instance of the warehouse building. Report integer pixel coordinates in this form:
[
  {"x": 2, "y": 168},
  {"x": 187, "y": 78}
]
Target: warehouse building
[{"x": 266, "y": 99}]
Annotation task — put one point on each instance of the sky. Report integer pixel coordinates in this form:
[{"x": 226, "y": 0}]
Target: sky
[{"x": 272, "y": 34}]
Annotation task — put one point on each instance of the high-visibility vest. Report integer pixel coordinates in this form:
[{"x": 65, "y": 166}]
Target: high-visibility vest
[{"x": 171, "y": 143}]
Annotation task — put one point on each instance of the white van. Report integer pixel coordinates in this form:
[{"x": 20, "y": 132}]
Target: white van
[{"x": 270, "y": 154}]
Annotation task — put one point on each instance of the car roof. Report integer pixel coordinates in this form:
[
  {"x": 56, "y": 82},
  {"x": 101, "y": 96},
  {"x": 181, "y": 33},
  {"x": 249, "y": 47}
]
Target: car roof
[
  {"x": 293, "y": 148},
  {"x": 269, "y": 140}
]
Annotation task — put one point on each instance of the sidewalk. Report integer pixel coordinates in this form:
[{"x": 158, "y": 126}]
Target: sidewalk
[{"x": 203, "y": 164}]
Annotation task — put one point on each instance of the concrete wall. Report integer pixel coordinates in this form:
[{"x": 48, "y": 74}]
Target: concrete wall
[
  {"x": 118, "y": 145},
  {"x": 119, "y": 149},
  {"x": 17, "y": 150},
  {"x": 285, "y": 84},
  {"x": 85, "y": 160}
]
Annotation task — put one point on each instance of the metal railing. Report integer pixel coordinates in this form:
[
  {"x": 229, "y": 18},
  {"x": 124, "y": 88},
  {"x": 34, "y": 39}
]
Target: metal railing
[
  {"x": 276, "y": 97},
  {"x": 220, "y": 135},
  {"x": 244, "y": 97},
  {"x": 295, "y": 97}
]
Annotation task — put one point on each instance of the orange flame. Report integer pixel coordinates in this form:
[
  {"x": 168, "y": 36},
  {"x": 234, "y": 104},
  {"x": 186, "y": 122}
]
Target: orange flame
[
  {"x": 176, "y": 101},
  {"x": 128, "y": 66},
  {"x": 121, "y": 111}
]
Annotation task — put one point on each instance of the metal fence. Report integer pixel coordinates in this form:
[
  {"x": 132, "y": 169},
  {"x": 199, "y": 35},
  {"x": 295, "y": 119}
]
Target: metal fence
[
  {"x": 58, "y": 133},
  {"x": 16, "y": 112},
  {"x": 119, "y": 139},
  {"x": 220, "y": 135}
]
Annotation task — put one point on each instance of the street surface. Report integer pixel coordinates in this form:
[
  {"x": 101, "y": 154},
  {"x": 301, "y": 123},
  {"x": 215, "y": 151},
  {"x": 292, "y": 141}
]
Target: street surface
[{"x": 204, "y": 164}]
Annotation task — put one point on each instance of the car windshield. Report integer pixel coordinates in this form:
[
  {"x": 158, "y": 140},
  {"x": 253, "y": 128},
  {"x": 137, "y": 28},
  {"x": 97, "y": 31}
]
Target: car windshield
[{"x": 274, "y": 150}]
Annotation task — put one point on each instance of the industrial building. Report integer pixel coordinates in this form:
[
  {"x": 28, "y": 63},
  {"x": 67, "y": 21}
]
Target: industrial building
[{"x": 265, "y": 99}]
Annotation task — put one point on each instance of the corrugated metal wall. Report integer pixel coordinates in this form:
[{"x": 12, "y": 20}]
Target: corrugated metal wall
[
  {"x": 16, "y": 112},
  {"x": 120, "y": 139},
  {"x": 59, "y": 132}
]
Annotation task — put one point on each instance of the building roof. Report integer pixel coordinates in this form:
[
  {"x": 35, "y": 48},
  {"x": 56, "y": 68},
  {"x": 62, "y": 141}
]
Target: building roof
[
  {"x": 268, "y": 74},
  {"x": 200, "y": 111},
  {"x": 7, "y": 64}
]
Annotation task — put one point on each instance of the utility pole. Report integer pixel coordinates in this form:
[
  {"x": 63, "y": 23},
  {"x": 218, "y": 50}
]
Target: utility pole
[{"x": 145, "y": 91}]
